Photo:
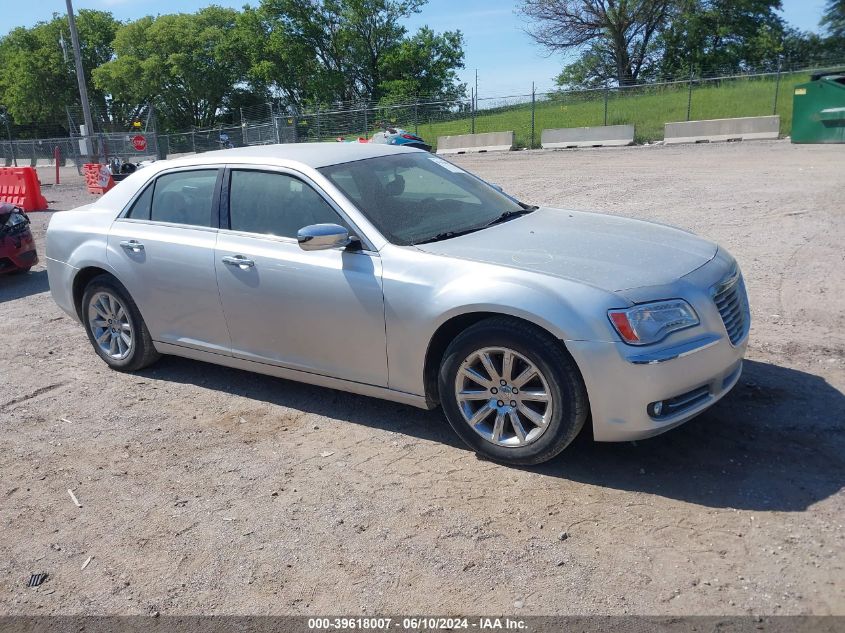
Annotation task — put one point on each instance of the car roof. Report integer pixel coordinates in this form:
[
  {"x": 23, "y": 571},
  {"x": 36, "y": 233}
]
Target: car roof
[{"x": 311, "y": 154}]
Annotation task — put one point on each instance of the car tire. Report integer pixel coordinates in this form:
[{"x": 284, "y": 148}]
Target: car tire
[
  {"x": 519, "y": 426},
  {"x": 115, "y": 327},
  {"x": 21, "y": 271}
]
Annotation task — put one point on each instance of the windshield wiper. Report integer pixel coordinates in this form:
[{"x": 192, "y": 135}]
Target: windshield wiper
[
  {"x": 507, "y": 215},
  {"x": 445, "y": 235}
]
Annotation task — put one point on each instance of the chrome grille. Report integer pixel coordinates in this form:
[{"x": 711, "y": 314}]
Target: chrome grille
[{"x": 732, "y": 303}]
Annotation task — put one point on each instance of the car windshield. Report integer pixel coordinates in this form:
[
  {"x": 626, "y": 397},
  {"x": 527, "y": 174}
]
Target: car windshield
[{"x": 417, "y": 197}]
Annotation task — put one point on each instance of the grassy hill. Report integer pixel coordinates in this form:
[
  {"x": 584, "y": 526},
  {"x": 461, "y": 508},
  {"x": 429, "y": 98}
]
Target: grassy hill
[{"x": 647, "y": 107}]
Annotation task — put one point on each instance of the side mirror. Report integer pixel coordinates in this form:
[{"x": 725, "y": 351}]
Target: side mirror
[
  {"x": 496, "y": 187},
  {"x": 320, "y": 237}
]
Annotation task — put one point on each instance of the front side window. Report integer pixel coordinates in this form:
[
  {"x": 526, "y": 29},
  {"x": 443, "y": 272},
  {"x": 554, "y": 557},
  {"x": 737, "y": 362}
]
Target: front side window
[
  {"x": 276, "y": 204},
  {"x": 184, "y": 197},
  {"x": 413, "y": 198}
]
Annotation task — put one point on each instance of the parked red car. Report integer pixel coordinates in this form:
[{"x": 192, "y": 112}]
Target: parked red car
[{"x": 17, "y": 246}]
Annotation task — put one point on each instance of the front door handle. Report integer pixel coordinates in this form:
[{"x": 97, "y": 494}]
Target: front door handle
[
  {"x": 132, "y": 245},
  {"x": 238, "y": 260}
]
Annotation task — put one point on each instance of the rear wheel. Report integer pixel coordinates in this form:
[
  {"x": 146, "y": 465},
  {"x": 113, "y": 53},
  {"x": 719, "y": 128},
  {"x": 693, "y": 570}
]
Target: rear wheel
[
  {"x": 115, "y": 327},
  {"x": 511, "y": 392}
]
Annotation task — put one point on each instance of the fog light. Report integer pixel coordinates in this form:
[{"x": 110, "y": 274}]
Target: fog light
[{"x": 655, "y": 409}]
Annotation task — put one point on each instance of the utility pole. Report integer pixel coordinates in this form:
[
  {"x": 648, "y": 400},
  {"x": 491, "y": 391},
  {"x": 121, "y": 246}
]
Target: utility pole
[{"x": 80, "y": 78}]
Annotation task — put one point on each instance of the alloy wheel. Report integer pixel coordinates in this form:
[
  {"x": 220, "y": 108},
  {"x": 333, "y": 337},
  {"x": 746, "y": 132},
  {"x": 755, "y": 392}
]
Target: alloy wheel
[
  {"x": 503, "y": 396},
  {"x": 109, "y": 323}
]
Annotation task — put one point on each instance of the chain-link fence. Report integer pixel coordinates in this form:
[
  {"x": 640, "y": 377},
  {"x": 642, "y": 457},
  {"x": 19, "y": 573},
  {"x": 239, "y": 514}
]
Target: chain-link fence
[
  {"x": 73, "y": 151},
  {"x": 39, "y": 152},
  {"x": 647, "y": 106}
]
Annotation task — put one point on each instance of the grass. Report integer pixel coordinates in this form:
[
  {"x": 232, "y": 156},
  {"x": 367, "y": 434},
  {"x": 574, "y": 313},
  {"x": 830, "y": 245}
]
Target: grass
[{"x": 647, "y": 107}]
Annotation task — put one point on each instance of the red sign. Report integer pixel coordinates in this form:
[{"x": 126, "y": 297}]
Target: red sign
[{"x": 139, "y": 142}]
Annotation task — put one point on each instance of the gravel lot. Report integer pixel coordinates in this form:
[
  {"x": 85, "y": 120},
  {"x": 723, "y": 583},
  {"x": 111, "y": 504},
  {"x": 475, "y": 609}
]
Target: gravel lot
[{"x": 204, "y": 490}]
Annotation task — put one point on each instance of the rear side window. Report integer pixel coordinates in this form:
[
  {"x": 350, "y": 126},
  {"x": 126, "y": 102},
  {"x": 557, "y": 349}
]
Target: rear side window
[
  {"x": 184, "y": 197},
  {"x": 275, "y": 204},
  {"x": 141, "y": 208}
]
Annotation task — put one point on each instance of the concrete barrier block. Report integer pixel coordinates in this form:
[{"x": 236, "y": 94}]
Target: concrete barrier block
[
  {"x": 606, "y": 135},
  {"x": 466, "y": 143},
  {"x": 746, "y": 128}
]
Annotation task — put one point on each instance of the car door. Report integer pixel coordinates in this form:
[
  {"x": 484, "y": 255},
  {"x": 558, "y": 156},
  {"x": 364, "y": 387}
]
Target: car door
[
  {"x": 316, "y": 311},
  {"x": 162, "y": 250}
]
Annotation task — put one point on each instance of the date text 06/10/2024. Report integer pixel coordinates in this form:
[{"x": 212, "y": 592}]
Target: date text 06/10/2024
[{"x": 415, "y": 623}]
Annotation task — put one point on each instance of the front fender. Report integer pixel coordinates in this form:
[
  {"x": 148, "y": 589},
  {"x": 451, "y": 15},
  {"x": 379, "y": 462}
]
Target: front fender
[{"x": 416, "y": 306}]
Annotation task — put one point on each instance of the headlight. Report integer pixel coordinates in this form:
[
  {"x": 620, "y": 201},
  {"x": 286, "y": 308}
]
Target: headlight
[
  {"x": 652, "y": 322},
  {"x": 15, "y": 219}
]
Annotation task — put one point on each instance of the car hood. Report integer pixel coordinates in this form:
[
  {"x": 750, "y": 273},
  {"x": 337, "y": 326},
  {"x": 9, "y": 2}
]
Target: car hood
[{"x": 604, "y": 251}]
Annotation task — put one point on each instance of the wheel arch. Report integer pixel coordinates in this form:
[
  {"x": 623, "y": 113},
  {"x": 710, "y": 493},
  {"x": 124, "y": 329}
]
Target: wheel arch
[
  {"x": 81, "y": 281},
  {"x": 451, "y": 328}
]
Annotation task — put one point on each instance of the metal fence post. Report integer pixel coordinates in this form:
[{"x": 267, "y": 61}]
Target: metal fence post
[
  {"x": 472, "y": 108},
  {"x": 318, "y": 122},
  {"x": 689, "y": 95},
  {"x": 777, "y": 90},
  {"x": 606, "y": 95},
  {"x": 366, "y": 127},
  {"x": 275, "y": 124},
  {"x": 533, "y": 113},
  {"x": 194, "y": 140},
  {"x": 416, "y": 117}
]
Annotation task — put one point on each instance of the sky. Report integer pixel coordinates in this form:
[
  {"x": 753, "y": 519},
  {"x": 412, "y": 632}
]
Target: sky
[{"x": 496, "y": 44}]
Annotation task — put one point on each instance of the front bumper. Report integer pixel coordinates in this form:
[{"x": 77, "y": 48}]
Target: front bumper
[
  {"x": 17, "y": 252},
  {"x": 622, "y": 383}
]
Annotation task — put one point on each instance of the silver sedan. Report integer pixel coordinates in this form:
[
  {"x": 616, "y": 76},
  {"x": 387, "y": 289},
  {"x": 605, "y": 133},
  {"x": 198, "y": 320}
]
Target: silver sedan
[{"x": 392, "y": 273}]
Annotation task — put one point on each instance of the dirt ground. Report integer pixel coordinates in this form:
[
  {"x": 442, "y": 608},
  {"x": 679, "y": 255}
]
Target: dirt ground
[{"x": 205, "y": 489}]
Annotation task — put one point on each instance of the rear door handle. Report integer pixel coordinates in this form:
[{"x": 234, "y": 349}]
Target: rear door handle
[
  {"x": 238, "y": 260},
  {"x": 132, "y": 245}
]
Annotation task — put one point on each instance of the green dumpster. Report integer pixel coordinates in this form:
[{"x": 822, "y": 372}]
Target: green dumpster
[{"x": 818, "y": 109}]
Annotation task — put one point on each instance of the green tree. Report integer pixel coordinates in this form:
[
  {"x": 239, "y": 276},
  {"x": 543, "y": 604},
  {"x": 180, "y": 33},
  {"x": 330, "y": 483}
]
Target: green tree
[
  {"x": 713, "y": 37},
  {"x": 189, "y": 66},
  {"x": 37, "y": 80},
  {"x": 328, "y": 51},
  {"x": 299, "y": 49},
  {"x": 375, "y": 34},
  {"x": 423, "y": 65},
  {"x": 593, "y": 69},
  {"x": 833, "y": 18},
  {"x": 803, "y": 49}
]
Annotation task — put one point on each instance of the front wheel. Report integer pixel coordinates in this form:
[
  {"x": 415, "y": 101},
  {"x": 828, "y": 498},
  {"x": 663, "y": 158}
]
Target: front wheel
[
  {"x": 511, "y": 392},
  {"x": 115, "y": 327}
]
